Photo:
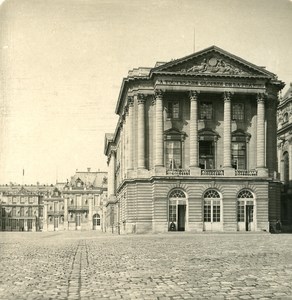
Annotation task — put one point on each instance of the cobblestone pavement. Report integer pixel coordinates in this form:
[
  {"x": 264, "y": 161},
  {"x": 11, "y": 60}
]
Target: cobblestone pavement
[{"x": 91, "y": 265}]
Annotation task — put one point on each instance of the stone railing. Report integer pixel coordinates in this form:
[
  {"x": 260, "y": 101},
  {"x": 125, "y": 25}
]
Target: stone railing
[
  {"x": 211, "y": 172},
  {"x": 246, "y": 172},
  {"x": 178, "y": 172}
]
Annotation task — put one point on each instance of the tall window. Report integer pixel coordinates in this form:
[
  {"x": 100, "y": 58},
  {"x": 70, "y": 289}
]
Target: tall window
[
  {"x": 206, "y": 110},
  {"x": 239, "y": 149},
  {"x": 286, "y": 167},
  {"x": 244, "y": 205},
  {"x": 173, "y": 109},
  {"x": 96, "y": 220},
  {"x": 212, "y": 206},
  {"x": 173, "y": 154},
  {"x": 174, "y": 140},
  {"x": 238, "y": 111},
  {"x": 206, "y": 154}
]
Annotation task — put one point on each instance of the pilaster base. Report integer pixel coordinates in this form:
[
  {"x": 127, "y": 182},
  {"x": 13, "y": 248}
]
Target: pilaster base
[
  {"x": 195, "y": 171},
  {"x": 142, "y": 173},
  {"x": 263, "y": 172},
  {"x": 229, "y": 172},
  {"x": 159, "y": 171}
]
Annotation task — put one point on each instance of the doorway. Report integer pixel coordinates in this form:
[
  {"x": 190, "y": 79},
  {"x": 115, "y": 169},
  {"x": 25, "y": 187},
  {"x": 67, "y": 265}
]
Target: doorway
[
  {"x": 248, "y": 217},
  {"x": 181, "y": 217}
]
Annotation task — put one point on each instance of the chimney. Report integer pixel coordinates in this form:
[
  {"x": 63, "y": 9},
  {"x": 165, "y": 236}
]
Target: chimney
[{"x": 88, "y": 169}]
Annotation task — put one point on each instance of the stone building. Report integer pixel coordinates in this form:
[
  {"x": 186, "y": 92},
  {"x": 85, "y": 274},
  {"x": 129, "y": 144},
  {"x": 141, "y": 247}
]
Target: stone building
[
  {"x": 21, "y": 210},
  {"x": 195, "y": 146},
  {"x": 77, "y": 204},
  {"x": 284, "y": 157}
]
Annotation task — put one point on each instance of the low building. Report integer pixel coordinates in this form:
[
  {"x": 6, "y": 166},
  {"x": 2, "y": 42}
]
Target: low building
[{"x": 285, "y": 157}]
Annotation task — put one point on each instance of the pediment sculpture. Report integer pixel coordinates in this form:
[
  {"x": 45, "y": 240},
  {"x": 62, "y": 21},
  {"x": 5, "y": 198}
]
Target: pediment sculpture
[{"x": 215, "y": 65}]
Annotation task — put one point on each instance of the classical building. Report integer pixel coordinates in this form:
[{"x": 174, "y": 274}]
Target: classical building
[
  {"x": 284, "y": 157},
  {"x": 82, "y": 201},
  {"x": 77, "y": 204},
  {"x": 195, "y": 146},
  {"x": 21, "y": 210}
]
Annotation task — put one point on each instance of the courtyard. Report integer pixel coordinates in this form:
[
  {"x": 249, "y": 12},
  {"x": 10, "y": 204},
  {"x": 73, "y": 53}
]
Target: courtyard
[{"x": 92, "y": 265}]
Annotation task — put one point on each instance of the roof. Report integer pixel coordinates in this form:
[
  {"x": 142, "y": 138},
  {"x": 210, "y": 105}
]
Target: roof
[{"x": 89, "y": 179}]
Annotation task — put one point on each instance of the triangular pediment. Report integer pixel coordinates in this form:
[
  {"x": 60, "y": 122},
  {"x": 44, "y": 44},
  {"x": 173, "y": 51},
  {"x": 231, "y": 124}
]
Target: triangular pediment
[{"x": 213, "y": 61}]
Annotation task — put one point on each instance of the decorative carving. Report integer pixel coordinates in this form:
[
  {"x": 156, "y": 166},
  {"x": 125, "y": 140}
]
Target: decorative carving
[
  {"x": 158, "y": 93},
  {"x": 215, "y": 65},
  {"x": 261, "y": 97},
  {"x": 227, "y": 96},
  {"x": 194, "y": 95},
  {"x": 141, "y": 98},
  {"x": 130, "y": 101}
]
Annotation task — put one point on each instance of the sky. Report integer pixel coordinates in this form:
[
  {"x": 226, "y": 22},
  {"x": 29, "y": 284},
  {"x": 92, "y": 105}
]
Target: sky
[{"x": 62, "y": 63}]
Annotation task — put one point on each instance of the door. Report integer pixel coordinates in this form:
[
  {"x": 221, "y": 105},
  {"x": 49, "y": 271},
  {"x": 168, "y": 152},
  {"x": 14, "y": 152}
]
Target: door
[
  {"x": 181, "y": 217},
  {"x": 248, "y": 217}
]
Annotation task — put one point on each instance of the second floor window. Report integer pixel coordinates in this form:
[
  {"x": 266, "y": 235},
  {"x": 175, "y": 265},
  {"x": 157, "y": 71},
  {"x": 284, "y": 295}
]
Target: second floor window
[
  {"x": 238, "y": 111},
  {"x": 173, "y": 110},
  {"x": 206, "y": 110},
  {"x": 173, "y": 154}
]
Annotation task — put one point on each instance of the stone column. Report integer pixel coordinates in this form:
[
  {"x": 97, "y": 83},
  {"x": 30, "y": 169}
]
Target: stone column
[
  {"x": 159, "y": 128},
  {"x": 261, "y": 131},
  {"x": 194, "y": 129},
  {"x": 227, "y": 131},
  {"x": 141, "y": 131},
  {"x": 130, "y": 133}
]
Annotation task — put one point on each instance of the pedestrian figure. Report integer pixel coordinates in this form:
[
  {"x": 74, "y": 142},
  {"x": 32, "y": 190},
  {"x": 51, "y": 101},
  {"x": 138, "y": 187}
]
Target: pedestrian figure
[
  {"x": 172, "y": 226},
  {"x": 278, "y": 226}
]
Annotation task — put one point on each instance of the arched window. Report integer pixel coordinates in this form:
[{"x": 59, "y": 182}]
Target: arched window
[
  {"x": 212, "y": 206},
  {"x": 286, "y": 167},
  {"x": 177, "y": 210},
  {"x": 245, "y": 203},
  {"x": 96, "y": 220},
  {"x": 285, "y": 118}
]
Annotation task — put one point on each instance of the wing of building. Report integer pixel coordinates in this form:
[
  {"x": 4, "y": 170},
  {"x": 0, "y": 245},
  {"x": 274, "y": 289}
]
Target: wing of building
[
  {"x": 195, "y": 147},
  {"x": 285, "y": 157}
]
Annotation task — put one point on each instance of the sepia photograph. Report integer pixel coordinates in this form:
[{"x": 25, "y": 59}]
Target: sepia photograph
[{"x": 145, "y": 149}]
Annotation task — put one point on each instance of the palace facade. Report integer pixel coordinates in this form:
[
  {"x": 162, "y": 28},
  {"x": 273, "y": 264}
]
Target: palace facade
[
  {"x": 195, "y": 146},
  {"x": 74, "y": 205},
  {"x": 284, "y": 157}
]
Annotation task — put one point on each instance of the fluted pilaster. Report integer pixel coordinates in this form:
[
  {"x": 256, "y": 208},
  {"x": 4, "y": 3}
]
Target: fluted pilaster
[
  {"x": 111, "y": 177},
  {"x": 141, "y": 131},
  {"x": 227, "y": 130},
  {"x": 261, "y": 131},
  {"x": 159, "y": 128},
  {"x": 194, "y": 129},
  {"x": 130, "y": 133}
]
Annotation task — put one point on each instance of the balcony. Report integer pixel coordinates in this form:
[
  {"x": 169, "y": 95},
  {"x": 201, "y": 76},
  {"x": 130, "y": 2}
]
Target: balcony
[
  {"x": 77, "y": 207},
  {"x": 246, "y": 173},
  {"x": 178, "y": 172},
  {"x": 212, "y": 172}
]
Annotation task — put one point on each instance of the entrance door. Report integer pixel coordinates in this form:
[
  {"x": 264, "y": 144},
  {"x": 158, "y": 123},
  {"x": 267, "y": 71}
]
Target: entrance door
[
  {"x": 248, "y": 217},
  {"x": 181, "y": 217}
]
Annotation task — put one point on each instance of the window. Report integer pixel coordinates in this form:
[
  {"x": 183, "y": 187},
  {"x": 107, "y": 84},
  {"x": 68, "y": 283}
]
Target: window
[
  {"x": 212, "y": 206},
  {"x": 238, "y": 111},
  {"x": 238, "y": 154},
  {"x": 173, "y": 110},
  {"x": 173, "y": 154},
  {"x": 206, "y": 154},
  {"x": 96, "y": 220},
  {"x": 286, "y": 167},
  {"x": 172, "y": 213},
  {"x": 177, "y": 210},
  {"x": 245, "y": 206},
  {"x": 285, "y": 118},
  {"x": 206, "y": 110}
]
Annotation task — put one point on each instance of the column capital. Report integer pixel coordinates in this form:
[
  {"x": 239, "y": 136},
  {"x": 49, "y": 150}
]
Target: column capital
[
  {"x": 130, "y": 101},
  {"x": 141, "y": 98},
  {"x": 261, "y": 97},
  {"x": 158, "y": 93},
  {"x": 194, "y": 95},
  {"x": 227, "y": 96}
]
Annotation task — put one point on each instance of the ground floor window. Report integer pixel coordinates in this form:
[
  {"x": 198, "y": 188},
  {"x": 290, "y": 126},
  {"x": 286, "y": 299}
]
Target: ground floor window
[
  {"x": 245, "y": 210},
  {"x": 212, "y": 206},
  {"x": 96, "y": 220},
  {"x": 177, "y": 210}
]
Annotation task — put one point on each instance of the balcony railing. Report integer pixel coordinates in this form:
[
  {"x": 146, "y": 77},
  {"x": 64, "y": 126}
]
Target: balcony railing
[
  {"x": 178, "y": 172},
  {"x": 77, "y": 207},
  {"x": 211, "y": 172},
  {"x": 246, "y": 172}
]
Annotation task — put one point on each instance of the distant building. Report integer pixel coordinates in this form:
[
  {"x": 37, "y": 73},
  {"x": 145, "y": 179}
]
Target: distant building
[
  {"x": 285, "y": 157},
  {"x": 74, "y": 205},
  {"x": 195, "y": 147}
]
